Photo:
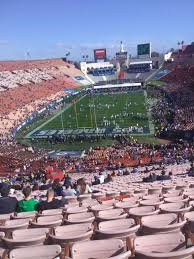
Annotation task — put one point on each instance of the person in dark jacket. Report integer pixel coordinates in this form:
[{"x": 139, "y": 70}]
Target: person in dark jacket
[
  {"x": 57, "y": 188},
  {"x": 50, "y": 203},
  {"x": 7, "y": 204},
  {"x": 67, "y": 180},
  {"x": 163, "y": 176}
]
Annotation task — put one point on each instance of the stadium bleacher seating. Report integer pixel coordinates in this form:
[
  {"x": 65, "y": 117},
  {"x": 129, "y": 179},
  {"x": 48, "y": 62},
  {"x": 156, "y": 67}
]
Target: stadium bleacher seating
[
  {"x": 140, "y": 223},
  {"x": 138, "y": 68},
  {"x": 106, "y": 71},
  {"x": 27, "y": 86},
  {"x": 138, "y": 212}
]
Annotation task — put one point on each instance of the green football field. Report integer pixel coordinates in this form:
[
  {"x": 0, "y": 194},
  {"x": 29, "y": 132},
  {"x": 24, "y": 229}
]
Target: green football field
[{"x": 103, "y": 110}]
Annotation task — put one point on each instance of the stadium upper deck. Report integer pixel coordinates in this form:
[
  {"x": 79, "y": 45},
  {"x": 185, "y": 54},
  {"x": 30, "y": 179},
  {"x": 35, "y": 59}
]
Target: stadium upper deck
[{"x": 27, "y": 86}]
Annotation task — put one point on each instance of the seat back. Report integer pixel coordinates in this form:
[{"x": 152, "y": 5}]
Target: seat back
[
  {"x": 75, "y": 228},
  {"x": 116, "y": 224},
  {"x": 49, "y": 218},
  {"x": 51, "y": 212},
  {"x": 97, "y": 249},
  {"x": 33, "y": 232},
  {"x": 36, "y": 252},
  {"x": 160, "y": 243}
]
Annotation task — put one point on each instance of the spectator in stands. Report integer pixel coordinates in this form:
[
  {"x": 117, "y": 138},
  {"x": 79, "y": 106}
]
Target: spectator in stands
[
  {"x": 113, "y": 174},
  {"x": 134, "y": 170},
  {"x": 83, "y": 187},
  {"x": 163, "y": 176},
  {"x": 7, "y": 204},
  {"x": 50, "y": 203},
  {"x": 96, "y": 180},
  {"x": 57, "y": 188},
  {"x": 36, "y": 190},
  {"x": 46, "y": 185},
  {"x": 69, "y": 191},
  {"x": 101, "y": 177},
  {"x": 28, "y": 203},
  {"x": 191, "y": 171},
  {"x": 108, "y": 179},
  {"x": 67, "y": 180},
  {"x": 151, "y": 178},
  {"x": 35, "y": 187}
]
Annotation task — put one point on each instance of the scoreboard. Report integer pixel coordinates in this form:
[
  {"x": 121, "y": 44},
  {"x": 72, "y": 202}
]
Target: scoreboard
[
  {"x": 99, "y": 54},
  {"x": 144, "y": 49}
]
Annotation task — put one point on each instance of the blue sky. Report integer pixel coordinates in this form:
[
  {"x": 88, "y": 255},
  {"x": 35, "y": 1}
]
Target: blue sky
[{"x": 50, "y": 28}]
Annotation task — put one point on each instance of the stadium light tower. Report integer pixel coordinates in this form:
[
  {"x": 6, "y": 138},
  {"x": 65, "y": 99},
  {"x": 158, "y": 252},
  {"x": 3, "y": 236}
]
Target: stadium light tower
[
  {"x": 28, "y": 55},
  {"x": 121, "y": 47}
]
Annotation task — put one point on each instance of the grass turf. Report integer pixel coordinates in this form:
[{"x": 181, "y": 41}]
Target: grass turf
[{"x": 89, "y": 112}]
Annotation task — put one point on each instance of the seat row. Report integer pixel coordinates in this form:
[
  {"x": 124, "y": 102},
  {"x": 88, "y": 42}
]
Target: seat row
[{"x": 74, "y": 242}]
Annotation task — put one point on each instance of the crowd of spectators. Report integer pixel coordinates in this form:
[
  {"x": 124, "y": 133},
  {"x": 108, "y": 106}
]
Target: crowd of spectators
[
  {"x": 34, "y": 192},
  {"x": 29, "y": 86},
  {"x": 174, "y": 109}
]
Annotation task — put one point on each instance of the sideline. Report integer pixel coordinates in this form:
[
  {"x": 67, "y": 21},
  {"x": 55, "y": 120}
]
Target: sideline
[
  {"x": 67, "y": 106},
  {"x": 151, "y": 125}
]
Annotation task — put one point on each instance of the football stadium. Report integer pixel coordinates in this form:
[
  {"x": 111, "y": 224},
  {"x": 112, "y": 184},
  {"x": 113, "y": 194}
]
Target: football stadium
[{"x": 96, "y": 135}]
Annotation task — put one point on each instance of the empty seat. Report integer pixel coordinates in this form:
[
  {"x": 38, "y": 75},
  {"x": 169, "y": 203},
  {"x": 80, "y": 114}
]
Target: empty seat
[
  {"x": 153, "y": 202},
  {"x": 78, "y": 218},
  {"x": 120, "y": 228},
  {"x": 161, "y": 223},
  {"x": 95, "y": 209},
  {"x": 67, "y": 235},
  {"x": 100, "y": 249},
  {"x": 89, "y": 203},
  {"x": 151, "y": 197},
  {"x": 172, "y": 194},
  {"x": 152, "y": 191},
  {"x": 171, "y": 245},
  {"x": 71, "y": 205},
  {"x": 5, "y": 216},
  {"x": 126, "y": 205},
  {"x": 48, "y": 221},
  {"x": 176, "y": 199},
  {"x": 74, "y": 210},
  {"x": 98, "y": 195},
  {"x": 51, "y": 212},
  {"x": 112, "y": 194},
  {"x": 181, "y": 187},
  {"x": 84, "y": 197},
  {"x": 141, "y": 191},
  {"x": 177, "y": 208},
  {"x": 36, "y": 252},
  {"x": 25, "y": 215},
  {"x": 166, "y": 189},
  {"x": 10, "y": 225},
  {"x": 140, "y": 212},
  {"x": 125, "y": 192},
  {"x": 26, "y": 237},
  {"x": 108, "y": 202},
  {"x": 111, "y": 214}
]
